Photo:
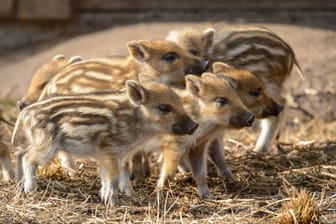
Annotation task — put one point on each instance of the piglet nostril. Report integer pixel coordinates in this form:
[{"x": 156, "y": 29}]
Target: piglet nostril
[
  {"x": 192, "y": 128},
  {"x": 249, "y": 119},
  {"x": 177, "y": 129},
  {"x": 205, "y": 65}
]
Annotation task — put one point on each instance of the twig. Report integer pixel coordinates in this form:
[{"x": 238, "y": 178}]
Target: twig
[
  {"x": 291, "y": 212},
  {"x": 6, "y": 122},
  {"x": 303, "y": 110}
]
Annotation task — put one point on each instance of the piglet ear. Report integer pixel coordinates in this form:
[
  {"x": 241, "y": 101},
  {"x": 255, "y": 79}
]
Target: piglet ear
[
  {"x": 219, "y": 67},
  {"x": 194, "y": 85},
  {"x": 145, "y": 77},
  {"x": 58, "y": 57},
  {"x": 139, "y": 50},
  {"x": 208, "y": 75},
  {"x": 208, "y": 36},
  {"x": 136, "y": 92},
  {"x": 75, "y": 59}
]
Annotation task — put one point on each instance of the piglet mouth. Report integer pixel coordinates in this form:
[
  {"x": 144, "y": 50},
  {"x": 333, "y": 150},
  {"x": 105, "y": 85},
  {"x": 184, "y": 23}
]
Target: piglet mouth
[
  {"x": 197, "y": 69},
  {"x": 242, "y": 121},
  {"x": 273, "y": 110},
  {"x": 184, "y": 129},
  {"x": 192, "y": 128}
]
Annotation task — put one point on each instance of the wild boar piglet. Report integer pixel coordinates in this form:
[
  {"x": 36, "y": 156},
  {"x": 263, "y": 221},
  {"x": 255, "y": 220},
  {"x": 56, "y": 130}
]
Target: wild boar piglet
[
  {"x": 255, "y": 49},
  {"x": 215, "y": 105},
  {"x": 107, "y": 127}
]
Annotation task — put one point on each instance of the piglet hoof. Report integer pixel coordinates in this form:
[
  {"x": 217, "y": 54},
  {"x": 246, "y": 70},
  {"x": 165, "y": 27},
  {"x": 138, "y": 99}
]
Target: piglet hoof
[
  {"x": 109, "y": 198},
  {"x": 204, "y": 192},
  {"x": 138, "y": 177},
  {"x": 260, "y": 149},
  {"x": 227, "y": 174},
  {"x": 30, "y": 186},
  {"x": 68, "y": 164},
  {"x": 129, "y": 191},
  {"x": 126, "y": 189},
  {"x": 109, "y": 192},
  {"x": 147, "y": 170},
  {"x": 111, "y": 202}
]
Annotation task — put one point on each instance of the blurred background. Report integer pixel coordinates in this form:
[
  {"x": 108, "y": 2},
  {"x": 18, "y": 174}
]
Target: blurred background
[{"x": 31, "y": 22}]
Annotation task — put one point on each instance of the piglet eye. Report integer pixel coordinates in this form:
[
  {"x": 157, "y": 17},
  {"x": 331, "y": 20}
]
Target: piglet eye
[
  {"x": 164, "y": 108},
  {"x": 255, "y": 92},
  {"x": 170, "y": 57},
  {"x": 221, "y": 101},
  {"x": 193, "y": 52}
]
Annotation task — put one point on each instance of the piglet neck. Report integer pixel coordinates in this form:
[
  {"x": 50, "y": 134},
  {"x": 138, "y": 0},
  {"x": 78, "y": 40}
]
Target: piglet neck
[
  {"x": 143, "y": 126},
  {"x": 190, "y": 103}
]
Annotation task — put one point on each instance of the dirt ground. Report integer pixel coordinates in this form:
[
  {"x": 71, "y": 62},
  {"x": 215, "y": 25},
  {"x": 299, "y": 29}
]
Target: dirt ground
[{"x": 304, "y": 158}]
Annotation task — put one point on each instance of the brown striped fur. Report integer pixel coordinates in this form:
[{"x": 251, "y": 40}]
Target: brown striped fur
[
  {"x": 165, "y": 61},
  {"x": 105, "y": 126},
  {"x": 215, "y": 106},
  {"x": 253, "y": 94},
  {"x": 257, "y": 50},
  {"x": 42, "y": 76}
]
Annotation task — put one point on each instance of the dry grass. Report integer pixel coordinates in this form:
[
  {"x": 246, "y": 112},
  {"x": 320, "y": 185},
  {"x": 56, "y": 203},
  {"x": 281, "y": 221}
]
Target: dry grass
[
  {"x": 295, "y": 184},
  {"x": 302, "y": 208}
]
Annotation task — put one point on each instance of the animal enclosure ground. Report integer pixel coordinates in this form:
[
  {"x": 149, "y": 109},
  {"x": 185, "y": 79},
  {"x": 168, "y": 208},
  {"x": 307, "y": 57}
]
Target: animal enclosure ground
[
  {"x": 267, "y": 186},
  {"x": 264, "y": 185}
]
